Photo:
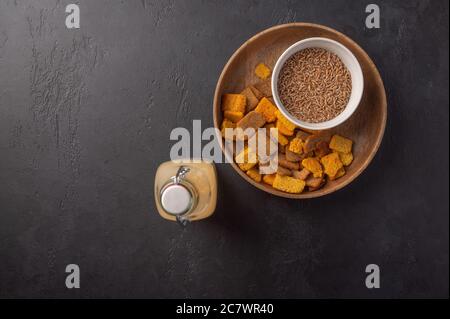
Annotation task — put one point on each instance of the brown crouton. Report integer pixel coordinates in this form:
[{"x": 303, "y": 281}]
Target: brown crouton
[
  {"x": 283, "y": 171},
  {"x": 252, "y": 100},
  {"x": 292, "y": 157},
  {"x": 257, "y": 92},
  {"x": 287, "y": 164},
  {"x": 251, "y": 120},
  {"x": 314, "y": 182},
  {"x": 303, "y": 174},
  {"x": 264, "y": 87},
  {"x": 311, "y": 143},
  {"x": 322, "y": 149},
  {"x": 302, "y": 135}
]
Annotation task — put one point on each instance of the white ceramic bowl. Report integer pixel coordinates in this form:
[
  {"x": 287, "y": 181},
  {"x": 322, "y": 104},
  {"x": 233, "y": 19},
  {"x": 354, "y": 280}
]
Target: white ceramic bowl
[{"x": 350, "y": 62}]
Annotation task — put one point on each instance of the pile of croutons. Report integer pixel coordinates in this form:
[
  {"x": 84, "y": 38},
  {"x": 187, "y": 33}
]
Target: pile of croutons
[{"x": 306, "y": 160}]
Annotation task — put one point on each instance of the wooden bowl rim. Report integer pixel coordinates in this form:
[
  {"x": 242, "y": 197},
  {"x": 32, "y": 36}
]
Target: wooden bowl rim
[{"x": 322, "y": 191}]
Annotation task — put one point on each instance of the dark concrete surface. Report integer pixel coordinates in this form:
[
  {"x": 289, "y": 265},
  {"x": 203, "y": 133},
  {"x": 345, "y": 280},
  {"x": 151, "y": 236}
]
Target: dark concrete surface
[{"x": 85, "y": 117}]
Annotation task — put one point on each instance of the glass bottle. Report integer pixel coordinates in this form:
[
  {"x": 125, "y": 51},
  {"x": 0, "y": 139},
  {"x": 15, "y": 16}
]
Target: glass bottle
[{"x": 186, "y": 190}]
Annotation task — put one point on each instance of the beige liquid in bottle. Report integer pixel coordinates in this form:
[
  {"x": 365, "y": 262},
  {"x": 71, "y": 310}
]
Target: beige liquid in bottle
[{"x": 186, "y": 190}]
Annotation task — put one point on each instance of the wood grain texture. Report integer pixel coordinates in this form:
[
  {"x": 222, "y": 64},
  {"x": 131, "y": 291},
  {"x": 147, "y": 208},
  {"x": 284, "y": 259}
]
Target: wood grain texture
[{"x": 365, "y": 127}]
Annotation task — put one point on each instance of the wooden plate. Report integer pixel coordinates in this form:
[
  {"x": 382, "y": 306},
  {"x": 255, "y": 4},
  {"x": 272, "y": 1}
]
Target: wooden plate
[{"x": 365, "y": 127}]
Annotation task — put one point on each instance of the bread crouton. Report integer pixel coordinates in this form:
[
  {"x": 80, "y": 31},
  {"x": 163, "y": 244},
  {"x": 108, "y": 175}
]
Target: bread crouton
[
  {"x": 283, "y": 129},
  {"x": 302, "y": 135},
  {"x": 283, "y": 171},
  {"x": 234, "y": 102},
  {"x": 254, "y": 174},
  {"x": 252, "y": 120},
  {"x": 314, "y": 181},
  {"x": 252, "y": 100},
  {"x": 246, "y": 159},
  {"x": 257, "y": 92},
  {"x": 296, "y": 146},
  {"x": 340, "y": 173},
  {"x": 265, "y": 87},
  {"x": 288, "y": 184},
  {"x": 267, "y": 108},
  {"x": 280, "y": 138},
  {"x": 303, "y": 174},
  {"x": 233, "y": 116},
  {"x": 331, "y": 163},
  {"x": 311, "y": 143},
  {"x": 268, "y": 179},
  {"x": 283, "y": 120},
  {"x": 346, "y": 158},
  {"x": 227, "y": 124},
  {"x": 287, "y": 164},
  {"x": 322, "y": 149},
  {"x": 292, "y": 157},
  {"x": 313, "y": 165},
  {"x": 341, "y": 144},
  {"x": 262, "y": 71}
]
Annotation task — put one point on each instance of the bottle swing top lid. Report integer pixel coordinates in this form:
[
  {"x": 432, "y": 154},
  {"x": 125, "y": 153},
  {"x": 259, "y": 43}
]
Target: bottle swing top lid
[{"x": 176, "y": 199}]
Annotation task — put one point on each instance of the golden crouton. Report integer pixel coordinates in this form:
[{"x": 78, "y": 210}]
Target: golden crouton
[
  {"x": 262, "y": 71},
  {"x": 283, "y": 129},
  {"x": 278, "y": 137},
  {"x": 256, "y": 92},
  {"x": 268, "y": 179},
  {"x": 234, "y": 102},
  {"x": 286, "y": 123},
  {"x": 282, "y": 139},
  {"x": 233, "y": 116},
  {"x": 296, "y": 145},
  {"x": 313, "y": 165},
  {"x": 226, "y": 123},
  {"x": 322, "y": 149},
  {"x": 246, "y": 159},
  {"x": 331, "y": 163},
  {"x": 287, "y": 164},
  {"x": 266, "y": 108},
  {"x": 254, "y": 174},
  {"x": 303, "y": 174},
  {"x": 340, "y": 173},
  {"x": 252, "y": 100},
  {"x": 346, "y": 159},
  {"x": 341, "y": 144},
  {"x": 265, "y": 87},
  {"x": 288, "y": 184}
]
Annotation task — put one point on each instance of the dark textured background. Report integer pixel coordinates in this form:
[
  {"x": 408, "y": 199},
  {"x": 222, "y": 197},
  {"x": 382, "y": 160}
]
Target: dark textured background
[{"x": 85, "y": 117}]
